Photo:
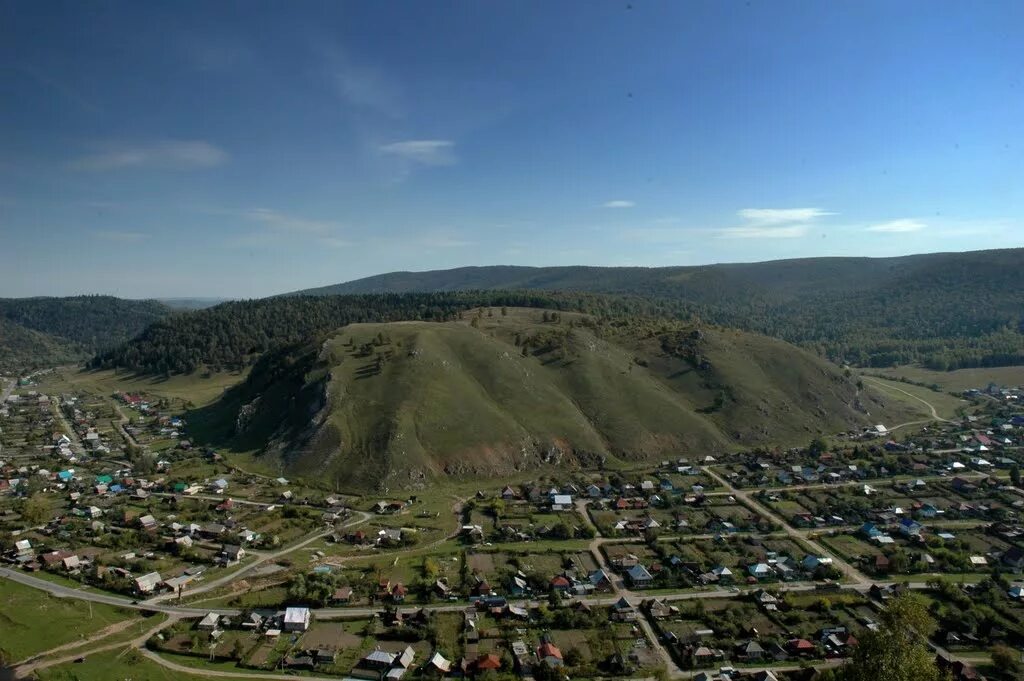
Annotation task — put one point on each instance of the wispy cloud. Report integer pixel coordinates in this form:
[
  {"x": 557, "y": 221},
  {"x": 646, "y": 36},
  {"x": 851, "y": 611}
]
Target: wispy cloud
[
  {"x": 775, "y": 216},
  {"x": 119, "y": 236},
  {"x": 773, "y": 223},
  {"x": 900, "y": 226},
  {"x": 423, "y": 152},
  {"x": 166, "y": 155},
  {"x": 763, "y": 232},
  {"x": 290, "y": 223},
  {"x": 619, "y": 203}
]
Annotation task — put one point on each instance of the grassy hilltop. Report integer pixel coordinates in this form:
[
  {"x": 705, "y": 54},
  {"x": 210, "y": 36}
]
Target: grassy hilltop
[{"x": 398, "y": 404}]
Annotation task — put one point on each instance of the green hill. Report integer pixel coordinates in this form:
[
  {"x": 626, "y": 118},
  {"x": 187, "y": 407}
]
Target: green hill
[
  {"x": 396, "y": 405},
  {"x": 943, "y": 310}
]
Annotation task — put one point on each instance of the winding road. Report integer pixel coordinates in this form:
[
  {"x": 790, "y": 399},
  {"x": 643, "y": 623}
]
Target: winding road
[{"x": 931, "y": 407}]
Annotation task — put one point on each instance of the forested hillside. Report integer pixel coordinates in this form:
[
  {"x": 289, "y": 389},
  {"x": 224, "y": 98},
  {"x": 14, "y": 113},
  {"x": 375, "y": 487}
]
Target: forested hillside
[
  {"x": 233, "y": 335},
  {"x": 943, "y": 310},
  {"x": 46, "y": 331}
]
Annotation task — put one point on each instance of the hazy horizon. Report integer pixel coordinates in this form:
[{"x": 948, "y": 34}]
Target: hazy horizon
[{"x": 190, "y": 150}]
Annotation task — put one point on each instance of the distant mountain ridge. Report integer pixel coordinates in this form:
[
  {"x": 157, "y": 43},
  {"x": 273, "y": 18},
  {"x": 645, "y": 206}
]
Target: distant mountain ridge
[
  {"x": 945, "y": 310},
  {"x": 45, "y": 331}
]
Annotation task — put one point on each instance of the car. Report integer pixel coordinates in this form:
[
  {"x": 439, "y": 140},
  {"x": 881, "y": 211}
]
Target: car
[{"x": 79, "y": 660}]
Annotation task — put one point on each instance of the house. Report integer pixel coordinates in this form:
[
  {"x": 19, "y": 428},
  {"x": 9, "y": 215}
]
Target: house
[
  {"x": 439, "y": 664},
  {"x": 600, "y": 580},
  {"x": 209, "y": 622},
  {"x": 750, "y": 651},
  {"x": 296, "y": 619},
  {"x": 398, "y": 593},
  {"x": 799, "y": 646},
  {"x": 378, "y": 659},
  {"x": 639, "y": 577},
  {"x": 622, "y": 611},
  {"x": 389, "y": 536},
  {"x": 1013, "y": 557},
  {"x": 869, "y": 530},
  {"x": 232, "y": 553},
  {"x": 490, "y": 661},
  {"x": 549, "y": 654},
  {"x": 561, "y": 502},
  {"x": 342, "y": 595},
  {"x": 148, "y": 523},
  {"x": 475, "y": 533},
  {"x": 759, "y": 570},
  {"x": 560, "y": 583},
  {"x": 147, "y": 583},
  {"x": 910, "y": 528}
]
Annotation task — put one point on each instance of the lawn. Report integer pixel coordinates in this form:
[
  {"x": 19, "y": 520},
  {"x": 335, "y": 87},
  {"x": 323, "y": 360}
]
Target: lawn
[
  {"x": 945, "y": 404},
  {"x": 961, "y": 379},
  {"x": 28, "y": 615},
  {"x": 130, "y": 666},
  {"x": 190, "y": 387}
]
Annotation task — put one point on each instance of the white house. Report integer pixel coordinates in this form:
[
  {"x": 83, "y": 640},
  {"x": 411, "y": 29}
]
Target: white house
[{"x": 296, "y": 619}]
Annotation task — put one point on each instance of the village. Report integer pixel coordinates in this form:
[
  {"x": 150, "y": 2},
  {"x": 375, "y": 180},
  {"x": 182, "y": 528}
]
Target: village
[{"x": 758, "y": 564}]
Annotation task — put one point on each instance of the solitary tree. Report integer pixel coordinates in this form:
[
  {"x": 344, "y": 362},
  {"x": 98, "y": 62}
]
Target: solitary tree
[{"x": 897, "y": 650}]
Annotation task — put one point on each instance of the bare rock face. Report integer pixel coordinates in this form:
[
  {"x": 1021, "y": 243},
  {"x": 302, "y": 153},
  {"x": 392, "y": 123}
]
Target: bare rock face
[{"x": 245, "y": 414}]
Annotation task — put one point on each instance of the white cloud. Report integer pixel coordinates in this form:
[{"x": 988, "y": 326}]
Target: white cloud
[
  {"x": 168, "y": 155},
  {"x": 619, "y": 203},
  {"x": 898, "y": 226},
  {"x": 773, "y": 223},
  {"x": 423, "y": 152},
  {"x": 775, "y": 216},
  {"x": 122, "y": 237},
  {"x": 289, "y": 223},
  {"x": 763, "y": 232}
]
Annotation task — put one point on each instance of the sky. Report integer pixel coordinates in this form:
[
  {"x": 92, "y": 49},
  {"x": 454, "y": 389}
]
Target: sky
[{"x": 217, "y": 149}]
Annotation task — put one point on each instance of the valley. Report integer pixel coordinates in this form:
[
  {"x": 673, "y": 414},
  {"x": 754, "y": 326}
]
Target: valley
[{"x": 616, "y": 553}]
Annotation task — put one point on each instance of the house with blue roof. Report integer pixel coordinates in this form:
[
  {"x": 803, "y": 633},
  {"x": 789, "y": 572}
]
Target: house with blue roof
[
  {"x": 910, "y": 528},
  {"x": 639, "y": 577},
  {"x": 870, "y": 531}
]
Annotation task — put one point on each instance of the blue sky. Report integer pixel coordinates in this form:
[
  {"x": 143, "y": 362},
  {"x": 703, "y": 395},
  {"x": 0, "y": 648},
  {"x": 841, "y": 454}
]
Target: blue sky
[{"x": 245, "y": 149}]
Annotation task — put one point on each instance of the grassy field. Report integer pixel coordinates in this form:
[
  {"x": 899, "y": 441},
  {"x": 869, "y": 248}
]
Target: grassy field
[
  {"x": 961, "y": 379},
  {"x": 196, "y": 388},
  {"x": 945, "y": 405},
  {"x": 131, "y": 665},
  {"x": 28, "y": 615}
]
